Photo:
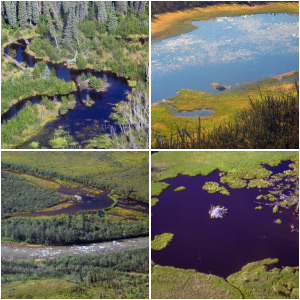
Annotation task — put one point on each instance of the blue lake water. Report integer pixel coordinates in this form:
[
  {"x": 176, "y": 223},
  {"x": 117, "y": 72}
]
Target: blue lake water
[{"x": 226, "y": 50}]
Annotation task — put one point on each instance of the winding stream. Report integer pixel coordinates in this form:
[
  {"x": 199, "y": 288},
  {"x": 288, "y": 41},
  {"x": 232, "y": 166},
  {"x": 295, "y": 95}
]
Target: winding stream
[
  {"x": 83, "y": 122},
  {"x": 17, "y": 251}
]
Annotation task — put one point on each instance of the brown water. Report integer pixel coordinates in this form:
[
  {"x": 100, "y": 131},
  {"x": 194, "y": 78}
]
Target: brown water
[{"x": 221, "y": 246}]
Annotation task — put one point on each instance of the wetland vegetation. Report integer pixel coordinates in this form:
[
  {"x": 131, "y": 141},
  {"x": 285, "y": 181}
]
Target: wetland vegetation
[
  {"x": 200, "y": 262},
  {"x": 70, "y": 200},
  {"x": 80, "y": 70},
  {"x": 229, "y": 119}
]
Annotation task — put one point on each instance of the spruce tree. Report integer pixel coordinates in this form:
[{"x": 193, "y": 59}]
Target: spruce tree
[
  {"x": 22, "y": 14},
  {"x": 35, "y": 12},
  {"x": 47, "y": 73},
  {"x": 11, "y": 14},
  {"x": 101, "y": 11},
  {"x": 29, "y": 10},
  {"x": 112, "y": 22}
]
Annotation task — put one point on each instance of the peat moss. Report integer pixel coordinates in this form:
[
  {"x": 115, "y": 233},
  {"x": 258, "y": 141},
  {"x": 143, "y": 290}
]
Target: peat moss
[{"x": 162, "y": 241}]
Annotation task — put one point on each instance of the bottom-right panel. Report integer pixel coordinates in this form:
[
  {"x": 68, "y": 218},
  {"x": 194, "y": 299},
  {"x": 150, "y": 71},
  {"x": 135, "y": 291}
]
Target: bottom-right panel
[{"x": 225, "y": 224}]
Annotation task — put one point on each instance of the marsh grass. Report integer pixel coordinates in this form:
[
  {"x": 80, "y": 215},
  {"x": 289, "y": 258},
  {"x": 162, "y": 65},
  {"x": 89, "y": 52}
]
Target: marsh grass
[{"x": 271, "y": 121}]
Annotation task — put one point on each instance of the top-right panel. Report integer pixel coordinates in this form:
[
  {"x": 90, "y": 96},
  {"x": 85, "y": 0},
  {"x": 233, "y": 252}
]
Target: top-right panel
[{"x": 225, "y": 75}]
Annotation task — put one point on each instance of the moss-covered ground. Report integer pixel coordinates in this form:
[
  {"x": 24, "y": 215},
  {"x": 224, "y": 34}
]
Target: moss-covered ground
[{"x": 175, "y": 23}]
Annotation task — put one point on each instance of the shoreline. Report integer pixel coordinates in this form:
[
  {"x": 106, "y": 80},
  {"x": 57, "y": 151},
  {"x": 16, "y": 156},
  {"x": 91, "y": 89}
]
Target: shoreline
[{"x": 172, "y": 24}]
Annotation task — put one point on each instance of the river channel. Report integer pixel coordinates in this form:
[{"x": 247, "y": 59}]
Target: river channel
[
  {"x": 17, "y": 251},
  {"x": 82, "y": 122}
]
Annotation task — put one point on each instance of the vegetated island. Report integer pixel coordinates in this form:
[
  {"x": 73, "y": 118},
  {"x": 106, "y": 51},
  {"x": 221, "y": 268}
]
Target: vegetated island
[
  {"x": 64, "y": 39},
  {"x": 162, "y": 241},
  {"x": 180, "y": 188},
  {"x": 61, "y": 200},
  {"x": 256, "y": 280}
]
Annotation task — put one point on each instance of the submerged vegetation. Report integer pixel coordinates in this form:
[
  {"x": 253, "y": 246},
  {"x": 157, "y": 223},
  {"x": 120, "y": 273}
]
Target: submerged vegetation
[
  {"x": 94, "y": 36},
  {"x": 162, "y": 241},
  {"x": 272, "y": 121}
]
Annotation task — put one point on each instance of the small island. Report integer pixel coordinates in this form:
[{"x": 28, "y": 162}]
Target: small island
[
  {"x": 180, "y": 188},
  {"x": 162, "y": 241}
]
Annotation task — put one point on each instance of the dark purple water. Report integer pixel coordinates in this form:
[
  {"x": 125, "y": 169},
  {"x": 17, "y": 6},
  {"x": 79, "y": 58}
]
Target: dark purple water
[
  {"x": 220, "y": 246},
  {"x": 82, "y": 122}
]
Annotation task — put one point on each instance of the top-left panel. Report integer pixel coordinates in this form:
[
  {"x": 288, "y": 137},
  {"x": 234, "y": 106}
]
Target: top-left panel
[{"x": 75, "y": 74}]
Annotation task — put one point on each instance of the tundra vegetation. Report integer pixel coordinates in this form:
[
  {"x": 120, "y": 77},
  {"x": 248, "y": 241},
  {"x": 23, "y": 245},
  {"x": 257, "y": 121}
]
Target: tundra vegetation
[
  {"x": 34, "y": 182},
  {"x": 98, "y": 36},
  {"x": 162, "y": 241},
  {"x": 180, "y": 188},
  {"x": 261, "y": 279}
]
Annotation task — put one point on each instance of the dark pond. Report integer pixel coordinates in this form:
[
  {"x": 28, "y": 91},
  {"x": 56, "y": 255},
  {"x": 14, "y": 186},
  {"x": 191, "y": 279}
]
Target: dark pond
[
  {"x": 221, "y": 246},
  {"x": 82, "y": 122},
  {"x": 17, "y": 251},
  {"x": 226, "y": 50}
]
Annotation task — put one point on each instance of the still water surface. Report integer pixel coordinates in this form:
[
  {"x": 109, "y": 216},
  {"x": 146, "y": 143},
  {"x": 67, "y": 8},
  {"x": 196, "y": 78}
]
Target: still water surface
[
  {"x": 226, "y": 50},
  {"x": 221, "y": 246}
]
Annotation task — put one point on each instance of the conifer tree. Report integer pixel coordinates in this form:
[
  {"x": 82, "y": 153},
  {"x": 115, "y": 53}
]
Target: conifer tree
[
  {"x": 101, "y": 11},
  {"x": 108, "y": 5},
  {"x": 29, "y": 10},
  {"x": 47, "y": 73},
  {"x": 22, "y": 14},
  {"x": 35, "y": 12},
  {"x": 10, "y": 8},
  {"x": 112, "y": 21}
]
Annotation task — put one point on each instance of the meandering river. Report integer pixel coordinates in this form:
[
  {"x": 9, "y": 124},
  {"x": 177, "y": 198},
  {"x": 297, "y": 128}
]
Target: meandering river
[
  {"x": 227, "y": 50},
  {"x": 82, "y": 122}
]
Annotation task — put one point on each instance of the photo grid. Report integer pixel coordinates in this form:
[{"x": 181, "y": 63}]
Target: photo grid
[{"x": 150, "y": 149}]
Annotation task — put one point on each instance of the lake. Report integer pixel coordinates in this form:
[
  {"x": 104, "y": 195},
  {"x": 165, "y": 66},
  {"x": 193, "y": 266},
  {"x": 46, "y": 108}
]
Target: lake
[
  {"x": 228, "y": 51},
  {"x": 221, "y": 246}
]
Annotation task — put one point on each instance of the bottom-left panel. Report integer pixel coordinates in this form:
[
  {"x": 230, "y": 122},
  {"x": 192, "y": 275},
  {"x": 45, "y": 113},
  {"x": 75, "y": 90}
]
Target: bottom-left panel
[{"x": 75, "y": 224}]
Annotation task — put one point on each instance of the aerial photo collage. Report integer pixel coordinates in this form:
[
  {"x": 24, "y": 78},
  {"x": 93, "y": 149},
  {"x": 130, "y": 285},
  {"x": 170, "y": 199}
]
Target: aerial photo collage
[{"x": 149, "y": 149}]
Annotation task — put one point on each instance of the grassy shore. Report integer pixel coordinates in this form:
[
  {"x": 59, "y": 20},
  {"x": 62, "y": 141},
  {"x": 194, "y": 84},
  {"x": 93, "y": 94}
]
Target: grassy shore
[
  {"x": 225, "y": 105},
  {"x": 174, "y": 23},
  {"x": 256, "y": 280}
]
